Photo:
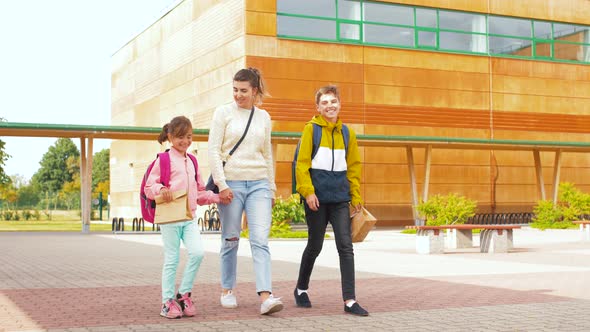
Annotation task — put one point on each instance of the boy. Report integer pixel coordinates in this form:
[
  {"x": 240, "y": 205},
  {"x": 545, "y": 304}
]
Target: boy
[{"x": 329, "y": 181}]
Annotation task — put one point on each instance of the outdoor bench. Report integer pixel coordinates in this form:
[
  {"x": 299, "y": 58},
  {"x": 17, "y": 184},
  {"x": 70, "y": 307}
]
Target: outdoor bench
[
  {"x": 584, "y": 229},
  {"x": 493, "y": 238}
]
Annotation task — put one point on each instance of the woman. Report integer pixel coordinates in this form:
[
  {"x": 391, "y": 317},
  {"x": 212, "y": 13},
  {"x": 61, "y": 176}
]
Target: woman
[{"x": 246, "y": 180}]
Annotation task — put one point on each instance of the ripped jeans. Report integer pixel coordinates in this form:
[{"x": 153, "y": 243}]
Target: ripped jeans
[{"x": 254, "y": 197}]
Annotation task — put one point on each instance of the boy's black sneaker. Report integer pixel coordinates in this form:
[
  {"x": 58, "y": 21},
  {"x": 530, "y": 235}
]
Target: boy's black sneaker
[
  {"x": 356, "y": 309},
  {"x": 302, "y": 300}
]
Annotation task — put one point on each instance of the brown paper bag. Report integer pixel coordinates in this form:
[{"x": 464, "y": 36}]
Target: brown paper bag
[
  {"x": 361, "y": 223},
  {"x": 175, "y": 211}
]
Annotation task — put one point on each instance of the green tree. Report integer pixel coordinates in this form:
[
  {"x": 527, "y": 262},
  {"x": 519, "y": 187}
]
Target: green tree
[
  {"x": 55, "y": 171},
  {"x": 100, "y": 168},
  {"x": 4, "y": 179},
  {"x": 28, "y": 196}
]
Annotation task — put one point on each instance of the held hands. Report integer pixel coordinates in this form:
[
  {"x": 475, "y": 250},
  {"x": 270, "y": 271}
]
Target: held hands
[
  {"x": 313, "y": 202},
  {"x": 166, "y": 194},
  {"x": 226, "y": 196}
]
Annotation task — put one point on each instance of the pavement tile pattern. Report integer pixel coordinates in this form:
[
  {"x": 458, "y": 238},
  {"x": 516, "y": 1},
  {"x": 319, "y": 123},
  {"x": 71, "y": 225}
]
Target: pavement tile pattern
[{"x": 92, "y": 282}]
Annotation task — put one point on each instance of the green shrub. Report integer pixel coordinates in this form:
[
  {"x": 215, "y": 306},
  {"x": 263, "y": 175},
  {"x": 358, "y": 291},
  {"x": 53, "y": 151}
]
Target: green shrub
[
  {"x": 36, "y": 215},
  {"x": 27, "y": 215},
  {"x": 447, "y": 210},
  {"x": 571, "y": 205},
  {"x": 290, "y": 210},
  {"x": 8, "y": 215}
]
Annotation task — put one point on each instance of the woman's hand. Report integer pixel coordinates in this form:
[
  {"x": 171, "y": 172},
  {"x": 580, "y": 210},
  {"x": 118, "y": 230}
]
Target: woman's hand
[
  {"x": 226, "y": 196},
  {"x": 166, "y": 194},
  {"x": 313, "y": 202}
]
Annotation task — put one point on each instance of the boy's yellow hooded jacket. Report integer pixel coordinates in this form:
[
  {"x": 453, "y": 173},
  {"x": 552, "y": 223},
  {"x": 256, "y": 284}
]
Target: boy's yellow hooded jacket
[{"x": 333, "y": 175}]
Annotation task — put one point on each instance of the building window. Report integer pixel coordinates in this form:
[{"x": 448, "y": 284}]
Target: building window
[{"x": 406, "y": 26}]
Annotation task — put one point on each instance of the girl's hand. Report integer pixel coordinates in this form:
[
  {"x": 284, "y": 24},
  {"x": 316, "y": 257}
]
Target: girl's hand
[
  {"x": 166, "y": 194},
  {"x": 226, "y": 196}
]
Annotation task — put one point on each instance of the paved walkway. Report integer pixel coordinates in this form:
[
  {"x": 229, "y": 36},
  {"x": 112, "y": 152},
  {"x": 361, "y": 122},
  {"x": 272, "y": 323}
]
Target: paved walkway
[{"x": 110, "y": 282}]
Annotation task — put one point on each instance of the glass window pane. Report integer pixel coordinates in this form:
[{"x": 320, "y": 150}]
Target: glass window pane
[
  {"x": 575, "y": 52},
  {"x": 514, "y": 46},
  {"x": 462, "y": 21},
  {"x": 381, "y": 34},
  {"x": 386, "y": 13},
  {"x": 323, "y": 8},
  {"x": 426, "y": 17},
  {"x": 350, "y": 10},
  {"x": 350, "y": 31},
  {"x": 542, "y": 30},
  {"x": 570, "y": 32},
  {"x": 427, "y": 38},
  {"x": 509, "y": 26},
  {"x": 543, "y": 49},
  {"x": 462, "y": 42},
  {"x": 306, "y": 27}
]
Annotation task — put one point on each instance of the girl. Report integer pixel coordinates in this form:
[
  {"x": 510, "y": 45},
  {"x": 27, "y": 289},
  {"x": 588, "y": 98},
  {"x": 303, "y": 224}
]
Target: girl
[
  {"x": 183, "y": 176},
  {"x": 247, "y": 181}
]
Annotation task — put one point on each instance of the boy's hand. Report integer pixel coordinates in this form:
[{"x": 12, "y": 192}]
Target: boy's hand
[{"x": 313, "y": 202}]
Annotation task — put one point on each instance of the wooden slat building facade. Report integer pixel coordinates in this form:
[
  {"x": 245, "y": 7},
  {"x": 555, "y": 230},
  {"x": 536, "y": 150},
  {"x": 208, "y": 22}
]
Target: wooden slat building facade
[{"x": 184, "y": 62}]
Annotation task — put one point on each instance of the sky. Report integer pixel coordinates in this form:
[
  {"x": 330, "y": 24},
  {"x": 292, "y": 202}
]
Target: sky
[{"x": 55, "y": 65}]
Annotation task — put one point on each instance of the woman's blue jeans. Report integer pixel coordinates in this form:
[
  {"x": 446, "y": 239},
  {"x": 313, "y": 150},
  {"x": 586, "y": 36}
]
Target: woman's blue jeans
[
  {"x": 190, "y": 235},
  {"x": 255, "y": 198}
]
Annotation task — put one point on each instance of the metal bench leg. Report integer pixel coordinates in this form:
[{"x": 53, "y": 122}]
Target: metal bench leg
[
  {"x": 510, "y": 238},
  {"x": 429, "y": 242},
  {"x": 493, "y": 241}
]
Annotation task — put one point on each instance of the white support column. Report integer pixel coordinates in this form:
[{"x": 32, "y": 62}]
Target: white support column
[
  {"x": 83, "y": 182},
  {"x": 88, "y": 187},
  {"x": 539, "y": 173},
  {"x": 427, "y": 160},
  {"x": 413, "y": 185},
  {"x": 556, "y": 173}
]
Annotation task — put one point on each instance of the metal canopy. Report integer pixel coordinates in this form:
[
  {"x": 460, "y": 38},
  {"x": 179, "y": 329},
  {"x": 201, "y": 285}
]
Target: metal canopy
[{"x": 87, "y": 133}]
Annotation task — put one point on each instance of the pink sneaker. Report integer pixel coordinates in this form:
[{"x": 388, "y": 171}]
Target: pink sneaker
[
  {"x": 188, "y": 309},
  {"x": 171, "y": 309}
]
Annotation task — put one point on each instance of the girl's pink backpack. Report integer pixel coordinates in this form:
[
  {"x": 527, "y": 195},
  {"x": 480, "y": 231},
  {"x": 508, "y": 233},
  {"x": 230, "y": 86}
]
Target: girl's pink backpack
[{"x": 148, "y": 206}]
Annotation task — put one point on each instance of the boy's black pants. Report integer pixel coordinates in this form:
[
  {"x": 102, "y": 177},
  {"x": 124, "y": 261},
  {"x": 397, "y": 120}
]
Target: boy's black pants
[{"x": 339, "y": 215}]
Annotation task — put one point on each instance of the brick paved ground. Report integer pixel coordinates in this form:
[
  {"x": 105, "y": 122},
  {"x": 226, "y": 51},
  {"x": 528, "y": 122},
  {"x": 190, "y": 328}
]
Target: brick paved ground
[{"x": 103, "y": 282}]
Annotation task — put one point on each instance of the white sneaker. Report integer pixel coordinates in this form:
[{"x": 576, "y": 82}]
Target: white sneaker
[
  {"x": 271, "y": 305},
  {"x": 229, "y": 300}
]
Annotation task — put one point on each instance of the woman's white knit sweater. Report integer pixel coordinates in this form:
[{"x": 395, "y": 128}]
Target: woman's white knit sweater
[{"x": 252, "y": 160}]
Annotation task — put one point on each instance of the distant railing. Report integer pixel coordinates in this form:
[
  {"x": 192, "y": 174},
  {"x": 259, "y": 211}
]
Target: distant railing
[
  {"x": 138, "y": 225},
  {"x": 513, "y": 218},
  {"x": 210, "y": 222}
]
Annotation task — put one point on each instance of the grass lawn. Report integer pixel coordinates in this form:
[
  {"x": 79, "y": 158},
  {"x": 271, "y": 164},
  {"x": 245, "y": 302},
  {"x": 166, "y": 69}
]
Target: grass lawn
[
  {"x": 62, "y": 221},
  {"x": 50, "y": 226}
]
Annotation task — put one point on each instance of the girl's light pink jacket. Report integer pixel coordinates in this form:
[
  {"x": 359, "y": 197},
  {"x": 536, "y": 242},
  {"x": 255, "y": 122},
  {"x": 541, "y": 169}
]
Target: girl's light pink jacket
[{"x": 182, "y": 176}]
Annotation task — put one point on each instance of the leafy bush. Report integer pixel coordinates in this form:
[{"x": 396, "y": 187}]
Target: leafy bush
[
  {"x": 8, "y": 215},
  {"x": 290, "y": 210},
  {"x": 447, "y": 210},
  {"x": 572, "y": 204},
  {"x": 27, "y": 215}
]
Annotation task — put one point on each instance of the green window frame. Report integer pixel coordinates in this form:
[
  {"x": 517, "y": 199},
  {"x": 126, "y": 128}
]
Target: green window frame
[{"x": 543, "y": 43}]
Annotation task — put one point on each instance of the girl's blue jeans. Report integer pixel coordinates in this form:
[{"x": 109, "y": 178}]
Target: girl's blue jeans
[
  {"x": 255, "y": 198},
  {"x": 187, "y": 232}
]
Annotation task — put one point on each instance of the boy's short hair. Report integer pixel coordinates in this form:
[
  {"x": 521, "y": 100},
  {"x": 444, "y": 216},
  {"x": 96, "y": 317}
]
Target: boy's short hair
[{"x": 326, "y": 90}]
